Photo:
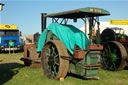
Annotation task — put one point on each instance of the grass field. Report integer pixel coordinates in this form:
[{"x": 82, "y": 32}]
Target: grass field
[{"x": 13, "y": 72}]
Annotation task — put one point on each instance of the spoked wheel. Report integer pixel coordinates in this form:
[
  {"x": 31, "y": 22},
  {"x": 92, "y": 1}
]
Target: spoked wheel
[
  {"x": 53, "y": 65},
  {"x": 114, "y": 56}
]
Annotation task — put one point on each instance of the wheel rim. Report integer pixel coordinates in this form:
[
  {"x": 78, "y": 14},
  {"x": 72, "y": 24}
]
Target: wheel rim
[
  {"x": 114, "y": 56},
  {"x": 51, "y": 60}
]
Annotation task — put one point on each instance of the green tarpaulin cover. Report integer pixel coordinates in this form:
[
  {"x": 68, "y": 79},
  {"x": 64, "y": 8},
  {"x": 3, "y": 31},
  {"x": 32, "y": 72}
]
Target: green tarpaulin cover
[{"x": 68, "y": 34}]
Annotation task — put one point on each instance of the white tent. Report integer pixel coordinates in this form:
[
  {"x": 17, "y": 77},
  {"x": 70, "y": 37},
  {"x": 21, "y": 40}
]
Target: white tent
[{"x": 104, "y": 25}]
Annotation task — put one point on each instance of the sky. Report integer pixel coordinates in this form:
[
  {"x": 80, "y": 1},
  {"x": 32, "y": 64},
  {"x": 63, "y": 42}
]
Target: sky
[{"x": 26, "y": 14}]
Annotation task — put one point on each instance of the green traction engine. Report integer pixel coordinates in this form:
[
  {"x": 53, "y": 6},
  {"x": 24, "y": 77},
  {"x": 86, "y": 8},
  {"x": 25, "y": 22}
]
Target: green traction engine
[
  {"x": 65, "y": 49},
  {"x": 115, "y": 49}
]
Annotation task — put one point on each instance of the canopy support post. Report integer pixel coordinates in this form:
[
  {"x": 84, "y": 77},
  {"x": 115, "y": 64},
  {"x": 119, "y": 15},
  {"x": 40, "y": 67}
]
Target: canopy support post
[{"x": 43, "y": 21}]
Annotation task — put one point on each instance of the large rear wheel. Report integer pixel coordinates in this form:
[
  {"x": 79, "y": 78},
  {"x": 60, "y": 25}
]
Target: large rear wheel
[
  {"x": 54, "y": 66},
  {"x": 114, "y": 56}
]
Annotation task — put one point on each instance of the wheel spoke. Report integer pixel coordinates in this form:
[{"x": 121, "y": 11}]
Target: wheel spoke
[
  {"x": 52, "y": 50},
  {"x": 105, "y": 55},
  {"x": 111, "y": 67},
  {"x": 107, "y": 63},
  {"x": 115, "y": 50},
  {"x": 55, "y": 56},
  {"x": 118, "y": 58},
  {"x": 114, "y": 66},
  {"x": 56, "y": 63},
  {"x": 109, "y": 50},
  {"x": 106, "y": 51},
  {"x": 54, "y": 70}
]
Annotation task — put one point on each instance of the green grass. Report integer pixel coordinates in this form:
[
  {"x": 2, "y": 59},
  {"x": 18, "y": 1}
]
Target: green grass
[
  {"x": 14, "y": 73},
  {"x": 6, "y": 57}
]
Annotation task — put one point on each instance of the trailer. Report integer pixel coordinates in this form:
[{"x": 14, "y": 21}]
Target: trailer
[
  {"x": 63, "y": 48},
  {"x": 31, "y": 57}
]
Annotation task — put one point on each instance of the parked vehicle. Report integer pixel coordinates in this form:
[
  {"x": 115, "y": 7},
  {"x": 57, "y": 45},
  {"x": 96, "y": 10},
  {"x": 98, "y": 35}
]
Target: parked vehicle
[
  {"x": 63, "y": 48},
  {"x": 10, "y": 36},
  {"x": 115, "y": 53}
]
